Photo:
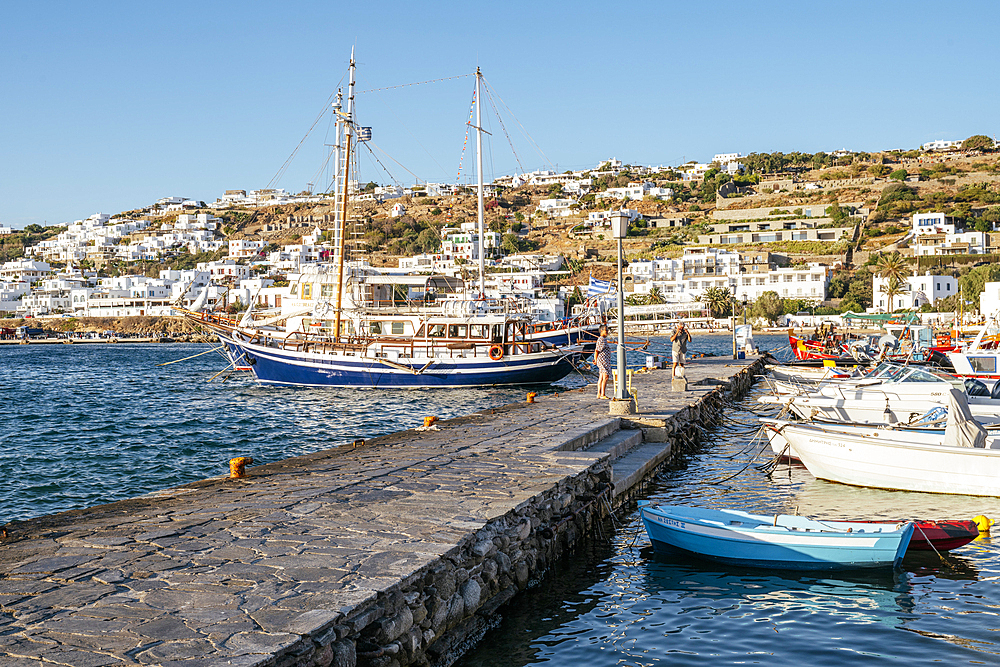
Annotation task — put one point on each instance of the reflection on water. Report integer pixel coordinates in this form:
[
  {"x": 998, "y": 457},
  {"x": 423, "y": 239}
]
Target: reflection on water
[{"x": 617, "y": 602}]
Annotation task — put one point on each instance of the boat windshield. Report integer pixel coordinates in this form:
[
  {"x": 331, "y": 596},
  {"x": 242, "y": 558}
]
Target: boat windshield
[
  {"x": 891, "y": 372},
  {"x": 921, "y": 375}
]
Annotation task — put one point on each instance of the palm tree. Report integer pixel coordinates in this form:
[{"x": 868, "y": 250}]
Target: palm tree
[
  {"x": 892, "y": 288},
  {"x": 892, "y": 265},
  {"x": 718, "y": 300},
  {"x": 654, "y": 296}
]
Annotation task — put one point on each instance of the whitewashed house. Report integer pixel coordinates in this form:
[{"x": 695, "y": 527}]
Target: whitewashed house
[
  {"x": 556, "y": 208},
  {"x": 918, "y": 290},
  {"x": 239, "y": 248},
  {"x": 793, "y": 282},
  {"x": 603, "y": 218}
]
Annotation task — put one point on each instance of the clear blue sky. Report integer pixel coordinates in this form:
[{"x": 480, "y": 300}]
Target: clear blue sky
[{"x": 108, "y": 106}]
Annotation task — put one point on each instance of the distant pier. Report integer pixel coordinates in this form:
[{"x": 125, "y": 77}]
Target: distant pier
[{"x": 397, "y": 550}]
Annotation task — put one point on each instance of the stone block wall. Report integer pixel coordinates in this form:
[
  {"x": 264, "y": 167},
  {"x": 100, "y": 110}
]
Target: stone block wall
[{"x": 438, "y": 613}]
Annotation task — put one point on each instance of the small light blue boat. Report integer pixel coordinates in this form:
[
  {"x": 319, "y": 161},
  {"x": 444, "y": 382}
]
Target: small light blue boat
[{"x": 776, "y": 542}]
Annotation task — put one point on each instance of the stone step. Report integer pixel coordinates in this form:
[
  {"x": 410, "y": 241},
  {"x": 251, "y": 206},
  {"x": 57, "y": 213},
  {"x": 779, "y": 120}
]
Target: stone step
[
  {"x": 639, "y": 463},
  {"x": 586, "y": 436},
  {"x": 618, "y": 444}
]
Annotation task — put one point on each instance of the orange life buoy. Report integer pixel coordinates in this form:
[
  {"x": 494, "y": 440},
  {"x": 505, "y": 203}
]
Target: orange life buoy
[{"x": 496, "y": 352}]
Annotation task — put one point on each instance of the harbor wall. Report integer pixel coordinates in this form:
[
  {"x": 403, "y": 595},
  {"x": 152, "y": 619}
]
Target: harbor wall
[{"x": 437, "y": 614}]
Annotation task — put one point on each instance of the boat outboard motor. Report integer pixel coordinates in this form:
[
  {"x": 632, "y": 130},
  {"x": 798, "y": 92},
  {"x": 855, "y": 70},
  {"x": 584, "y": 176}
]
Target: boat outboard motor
[
  {"x": 974, "y": 387},
  {"x": 861, "y": 351}
]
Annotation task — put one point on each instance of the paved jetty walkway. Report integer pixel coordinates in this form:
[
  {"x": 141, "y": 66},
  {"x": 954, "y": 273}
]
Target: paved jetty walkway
[{"x": 237, "y": 571}]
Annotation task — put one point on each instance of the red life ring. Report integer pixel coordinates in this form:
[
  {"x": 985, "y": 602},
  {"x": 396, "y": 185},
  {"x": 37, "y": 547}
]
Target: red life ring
[{"x": 496, "y": 352}]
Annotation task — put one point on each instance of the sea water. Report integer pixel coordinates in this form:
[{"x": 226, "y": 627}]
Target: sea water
[
  {"x": 89, "y": 423},
  {"x": 85, "y": 424},
  {"x": 616, "y": 602}
]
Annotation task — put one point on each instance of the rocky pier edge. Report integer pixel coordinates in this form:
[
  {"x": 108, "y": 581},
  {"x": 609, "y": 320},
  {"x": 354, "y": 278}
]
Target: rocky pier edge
[{"x": 399, "y": 551}]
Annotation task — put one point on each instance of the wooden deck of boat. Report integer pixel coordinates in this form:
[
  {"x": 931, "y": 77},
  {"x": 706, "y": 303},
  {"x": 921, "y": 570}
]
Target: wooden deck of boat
[{"x": 309, "y": 558}]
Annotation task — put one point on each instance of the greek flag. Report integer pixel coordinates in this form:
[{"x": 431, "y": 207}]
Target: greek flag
[{"x": 598, "y": 287}]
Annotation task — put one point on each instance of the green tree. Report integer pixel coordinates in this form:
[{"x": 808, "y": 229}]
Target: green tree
[
  {"x": 767, "y": 307},
  {"x": 510, "y": 244},
  {"x": 879, "y": 170},
  {"x": 895, "y": 193},
  {"x": 837, "y": 214},
  {"x": 973, "y": 282},
  {"x": 428, "y": 240},
  {"x": 899, "y": 175},
  {"x": 977, "y": 142},
  {"x": 654, "y": 296},
  {"x": 859, "y": 292},
  {"x": 719, "y": 301}
]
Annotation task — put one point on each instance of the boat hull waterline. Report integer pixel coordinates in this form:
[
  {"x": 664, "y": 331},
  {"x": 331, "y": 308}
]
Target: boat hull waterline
[
  {"x": 781, "y": 542},
  {"x": 868, "y": 458},
  {"x": 278, "y": 367}
]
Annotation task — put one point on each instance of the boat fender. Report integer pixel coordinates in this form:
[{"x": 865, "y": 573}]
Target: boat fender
[{"x": 496, "y": 352}]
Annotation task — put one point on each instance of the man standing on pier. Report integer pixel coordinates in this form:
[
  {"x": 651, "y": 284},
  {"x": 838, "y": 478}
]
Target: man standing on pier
[{"x": 680, "y": 339}]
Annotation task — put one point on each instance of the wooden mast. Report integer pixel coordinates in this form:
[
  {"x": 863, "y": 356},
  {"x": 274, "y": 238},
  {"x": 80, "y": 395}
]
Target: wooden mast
[{"x": 342, "y": 222}]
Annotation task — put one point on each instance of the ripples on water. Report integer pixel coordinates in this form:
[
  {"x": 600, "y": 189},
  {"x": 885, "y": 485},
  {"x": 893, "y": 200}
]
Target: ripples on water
[
  {"x": 91, "y": 423},
  {"x": 616, "y": 602},
  {"x": 84, "y": 424}
]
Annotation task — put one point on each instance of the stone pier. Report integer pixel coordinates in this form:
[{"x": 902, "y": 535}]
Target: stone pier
[{"x": 401, "y": 550}]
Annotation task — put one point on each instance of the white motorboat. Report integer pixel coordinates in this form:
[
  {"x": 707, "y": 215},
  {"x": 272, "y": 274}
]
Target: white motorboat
[
  {"x": 962, "y": 459},
  {"x": 892, "y": 394},
  {"x": 809, "y": 374}
]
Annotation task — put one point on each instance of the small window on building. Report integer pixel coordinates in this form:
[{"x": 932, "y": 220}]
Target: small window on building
[{"x": 326, "y": 289}]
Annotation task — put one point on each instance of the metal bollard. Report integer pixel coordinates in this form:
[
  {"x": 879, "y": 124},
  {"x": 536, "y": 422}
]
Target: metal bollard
[{"x": 237, "y": 466}]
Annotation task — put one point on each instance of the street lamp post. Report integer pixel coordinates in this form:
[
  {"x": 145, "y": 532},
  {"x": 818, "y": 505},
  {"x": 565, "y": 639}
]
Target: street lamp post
[
  {"x": 732, "y": 321},
  {"x": 622, "y": 403}
]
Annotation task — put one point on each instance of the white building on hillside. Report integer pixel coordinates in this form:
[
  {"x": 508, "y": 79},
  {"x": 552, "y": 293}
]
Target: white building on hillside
[
  {"x": 603, "y": 218},
  {"x": 941, "y": 145},
  {"x": 24, "y": 270},
  {"x": 958, "y": 243},
  {"x": 989, "y": 300},
  {"x": 636, "y": 191},
  {"x": 792, "y": 282},
  {"x": 244, "y": 248},
  {"x": 933, "y": 223},
  {"x": 918, "y": 290},
  {"x": 225, "y": 270},
  {"x": 557, "y": 208},
  {"x": 11, "y": 294}
]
